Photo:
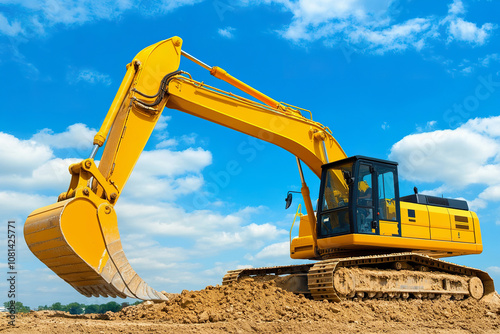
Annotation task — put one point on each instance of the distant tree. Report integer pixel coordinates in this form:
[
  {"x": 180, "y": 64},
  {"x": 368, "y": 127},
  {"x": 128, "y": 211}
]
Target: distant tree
[
  {"x": 20, "y": 308},
  {"x": 57, "y": 307},
  {"x": 137, "y": 302},
  {"x": 77, "y": 308},
  {"x": 111, "y": 306},
  {"x": 74, "y": 308},
  {"x": 92, "y": 308}
]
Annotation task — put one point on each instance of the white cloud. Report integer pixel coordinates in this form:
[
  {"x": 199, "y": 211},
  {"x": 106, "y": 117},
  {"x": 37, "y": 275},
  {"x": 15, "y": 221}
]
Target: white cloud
[
  {"x": 428, "y": 126},
  {"x": 31, "y": 17},
  {"x": 9, "y": 29},
  {"x": 156, "y": 256},
  {"x": 174, "y": 142},
  {"x": 171, "y": 142},
  {"x": 51, "y": 175},
  {"x": 467, "y": 67},
  {"x": 170, "y": 163},
  {"x": 461, "y": 157},
  {"x": 165, "y": 174},
  {"x": 250, "y": 236},
  {"x": 77, "y": 136},
  {"x": 494, "y": 270},
  {"x": 164, "y": 6},
  {"x": 456, "y": 7},
  {"x": 469, "y": 32},
  {"x": 486, "y": 61},
  {"x": 461, "y": 30},
  {"x": 92, "y": 77},
  {"x": 168, "y": 219},
  {"x": 456, "y": 159},
  {"x": 30, "y": 165},
  {"x": 21, "y": 156},
  {"x": 491, "y": 193},
  {"x": 362, "y": 25},
  {"x": 275, "y": 250},
  {"x": 162, "y": 123},
  {"x": 411, "y": 33},
  {"x": 373, "y": 25},
  {"x": 486, "y": 126},
  {"x": 15, "y": 205},
  {"x": 226, "y": 32}
]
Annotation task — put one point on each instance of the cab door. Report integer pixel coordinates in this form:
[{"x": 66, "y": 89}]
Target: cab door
[
  {"x": 377, "y": 199},
  {"x": 366, "y": 221},
  {"x": 387, "y": 203}
]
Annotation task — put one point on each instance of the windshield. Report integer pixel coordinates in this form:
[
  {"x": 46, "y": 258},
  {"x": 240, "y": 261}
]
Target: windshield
[
  {"x": 334, "y": 214},
  {"x": 336, "y": 191}
]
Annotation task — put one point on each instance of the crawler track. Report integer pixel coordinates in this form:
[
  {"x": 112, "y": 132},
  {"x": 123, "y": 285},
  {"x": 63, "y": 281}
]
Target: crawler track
[{"x": 399, "y": 276}]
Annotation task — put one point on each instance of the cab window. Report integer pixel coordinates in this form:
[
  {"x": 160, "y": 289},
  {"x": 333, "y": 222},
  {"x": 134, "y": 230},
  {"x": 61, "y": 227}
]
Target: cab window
[
  {"x": 334, "y": 214},
  {"x": 386, "y": 194}
]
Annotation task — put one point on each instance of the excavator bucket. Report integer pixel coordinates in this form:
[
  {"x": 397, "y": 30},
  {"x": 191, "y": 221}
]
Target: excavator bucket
[
  {"x": 78, "y": 237},
  {"x": 84, "y": 249}
]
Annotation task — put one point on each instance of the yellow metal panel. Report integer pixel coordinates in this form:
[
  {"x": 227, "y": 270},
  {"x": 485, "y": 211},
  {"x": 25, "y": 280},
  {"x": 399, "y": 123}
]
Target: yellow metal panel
[
  {"x": 462, "y": 226},
  {"x": 336, "y": 242},
  {"x": 304, "y": 227},
  {"x": 477, "y": 231},
  {"x": 302, "y": 248},
  {"x": 439, "y": 217},
  {"x": 388, "y": 228},
  {"x": 440, "y": 234},
  {"x": 421, "y": 214},
  {"x": 440, "y": 223},
  {"x": 462, "y": 236},
  {"x": 366, "y": 241},
  {"x": 461, "y": 220},
  {"x": 413, "y": 231}
]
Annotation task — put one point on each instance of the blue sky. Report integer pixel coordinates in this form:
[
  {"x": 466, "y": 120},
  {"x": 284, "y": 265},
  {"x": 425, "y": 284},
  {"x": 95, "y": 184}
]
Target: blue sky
[{"x": 415, "y": 82}]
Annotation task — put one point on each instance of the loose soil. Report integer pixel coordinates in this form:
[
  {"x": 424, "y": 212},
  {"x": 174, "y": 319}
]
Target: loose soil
[{"x": 251, "y": 306}]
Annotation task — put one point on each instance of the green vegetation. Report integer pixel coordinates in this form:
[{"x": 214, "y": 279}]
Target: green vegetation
[
  {"x": 74, "y": 308},
  {"x": 20, "y": 308},
  {"x": 77, "y": 308}
]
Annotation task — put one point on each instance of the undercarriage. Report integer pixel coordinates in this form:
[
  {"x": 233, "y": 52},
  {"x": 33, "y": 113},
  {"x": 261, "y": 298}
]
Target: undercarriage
[{"x": 391, "y": 276}]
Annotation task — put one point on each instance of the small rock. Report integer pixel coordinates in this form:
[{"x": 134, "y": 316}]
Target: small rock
[
  {"x": 203, "y": 317},
  {"x": 148, "y": 303}
]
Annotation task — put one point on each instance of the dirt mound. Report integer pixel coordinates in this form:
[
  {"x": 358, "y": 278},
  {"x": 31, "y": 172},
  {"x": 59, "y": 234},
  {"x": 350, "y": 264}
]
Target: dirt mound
[
  {"x": 252, "y": 306},
  {"x": 253, "y": 301},
  {"x": 249, "y": 300}
]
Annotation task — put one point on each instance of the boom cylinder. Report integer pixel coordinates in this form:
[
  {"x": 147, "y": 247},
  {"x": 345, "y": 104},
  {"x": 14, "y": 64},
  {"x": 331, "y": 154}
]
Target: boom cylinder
[
  {"x": 223, "y": 75},
  {"x": 309, "y": 208},
  {"x": 100, "y": 137}
]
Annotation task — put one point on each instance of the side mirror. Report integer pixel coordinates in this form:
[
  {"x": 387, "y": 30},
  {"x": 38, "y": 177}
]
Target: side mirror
[{"x": 288, "y": 200}]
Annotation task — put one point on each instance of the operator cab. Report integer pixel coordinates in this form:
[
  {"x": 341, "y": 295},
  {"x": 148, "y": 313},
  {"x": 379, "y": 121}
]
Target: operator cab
[
  {"x": 360, "y": 213},
  {"x": 357, "y": 195}
]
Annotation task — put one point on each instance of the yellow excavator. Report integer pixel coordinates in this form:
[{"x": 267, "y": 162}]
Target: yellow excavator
[{"x": 368, "y": 241}]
